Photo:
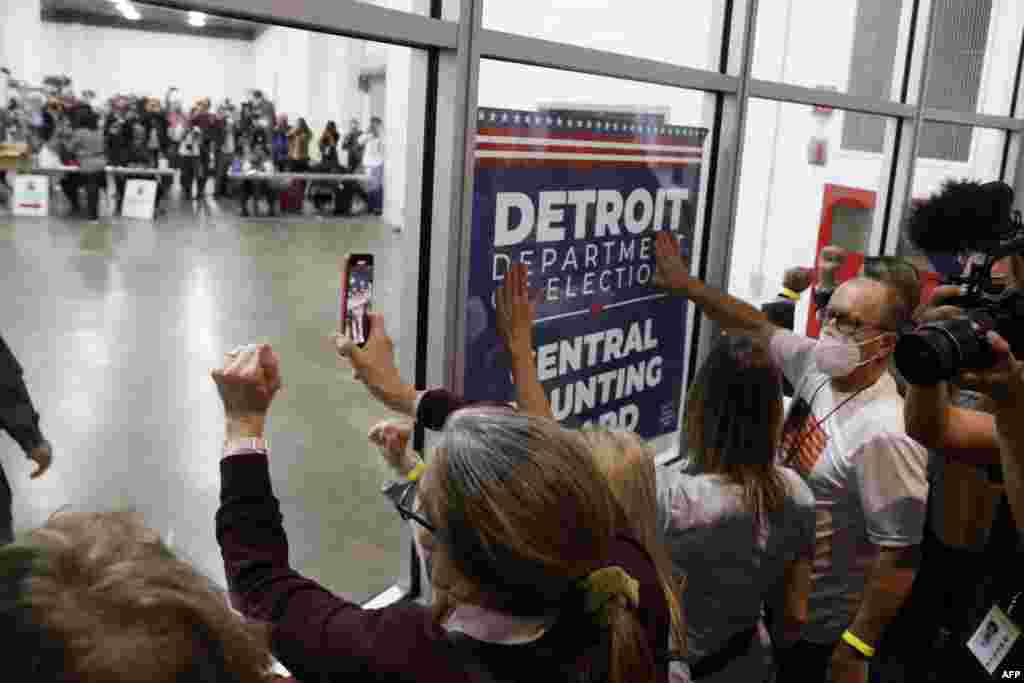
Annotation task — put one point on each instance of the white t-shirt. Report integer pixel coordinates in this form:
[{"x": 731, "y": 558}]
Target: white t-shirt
[
  {"x": 869, "y": 480},
  {"x": 373, "y": 152}
]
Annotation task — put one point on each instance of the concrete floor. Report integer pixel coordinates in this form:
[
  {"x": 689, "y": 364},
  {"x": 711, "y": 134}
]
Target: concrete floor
[{"x": 118, "y": 325}]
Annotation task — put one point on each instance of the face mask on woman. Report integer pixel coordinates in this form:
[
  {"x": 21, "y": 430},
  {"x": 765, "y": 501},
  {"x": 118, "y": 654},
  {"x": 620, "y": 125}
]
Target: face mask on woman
[{"x": 836, "y": 355}]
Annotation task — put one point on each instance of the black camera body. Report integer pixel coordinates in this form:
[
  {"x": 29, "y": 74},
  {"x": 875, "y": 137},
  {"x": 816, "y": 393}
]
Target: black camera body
[
  {"x": 938, "y": 352},
  {"x": 966, "y": 218}
]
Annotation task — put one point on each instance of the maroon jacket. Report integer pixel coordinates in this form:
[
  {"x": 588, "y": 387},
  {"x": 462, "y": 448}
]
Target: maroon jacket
[{"x": 319, "y": 636}]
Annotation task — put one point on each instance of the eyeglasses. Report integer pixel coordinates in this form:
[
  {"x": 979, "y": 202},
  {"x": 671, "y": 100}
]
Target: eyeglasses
[
  {"x": 402, "y": 494},
  {"x": 844, "y": 324}
]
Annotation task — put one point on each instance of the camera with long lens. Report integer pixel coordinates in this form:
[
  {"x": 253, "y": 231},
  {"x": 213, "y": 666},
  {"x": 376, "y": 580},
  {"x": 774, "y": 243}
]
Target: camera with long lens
[{"x": 971, "y": 219}]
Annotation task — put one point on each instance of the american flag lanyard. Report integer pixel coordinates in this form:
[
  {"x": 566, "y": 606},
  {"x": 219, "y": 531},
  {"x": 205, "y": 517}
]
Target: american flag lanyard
[{"x": 795, "y": 448}]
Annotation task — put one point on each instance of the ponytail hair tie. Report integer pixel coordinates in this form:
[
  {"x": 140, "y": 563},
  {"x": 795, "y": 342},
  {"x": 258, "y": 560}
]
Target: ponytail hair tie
[{"x": 603, "y": 586}]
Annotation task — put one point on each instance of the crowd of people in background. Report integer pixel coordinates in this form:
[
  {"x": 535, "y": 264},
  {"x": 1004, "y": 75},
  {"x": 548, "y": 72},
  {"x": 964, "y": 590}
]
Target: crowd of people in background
[
  {"x": 829, "y": 540},
  {"x": 213, "y": 150},
  {"x": 783, "y": 546}
]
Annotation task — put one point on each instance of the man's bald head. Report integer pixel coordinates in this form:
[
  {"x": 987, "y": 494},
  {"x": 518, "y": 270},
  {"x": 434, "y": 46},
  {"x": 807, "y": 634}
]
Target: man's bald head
[{"x": 873, "y": 302}]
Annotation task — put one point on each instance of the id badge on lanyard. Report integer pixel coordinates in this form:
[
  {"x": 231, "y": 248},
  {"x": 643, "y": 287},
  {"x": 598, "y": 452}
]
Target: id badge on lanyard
[{"x": 995, "y": 638}]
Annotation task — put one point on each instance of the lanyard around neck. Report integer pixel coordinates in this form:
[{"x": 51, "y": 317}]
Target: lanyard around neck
[{"x": 790, "y": 454}]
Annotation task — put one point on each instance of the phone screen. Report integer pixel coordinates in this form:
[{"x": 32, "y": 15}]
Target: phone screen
[{"x": 358, "y": 297}]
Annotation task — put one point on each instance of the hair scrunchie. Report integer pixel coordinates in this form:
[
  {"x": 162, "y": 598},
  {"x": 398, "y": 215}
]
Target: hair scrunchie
[{"x": 604, "y": 585}]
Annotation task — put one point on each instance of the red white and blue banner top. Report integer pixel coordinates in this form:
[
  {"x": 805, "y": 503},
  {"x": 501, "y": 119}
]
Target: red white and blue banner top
[{"x": 553, "y": 138}]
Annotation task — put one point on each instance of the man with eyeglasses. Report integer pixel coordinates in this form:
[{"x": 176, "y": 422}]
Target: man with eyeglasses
[{"x": 845, "y": 435}]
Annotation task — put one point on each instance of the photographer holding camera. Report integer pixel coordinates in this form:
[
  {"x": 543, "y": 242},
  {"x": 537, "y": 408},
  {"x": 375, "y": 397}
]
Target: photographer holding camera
[
  {"x": 966, "y": 342},
  {"x": 1004, "y": 384}
]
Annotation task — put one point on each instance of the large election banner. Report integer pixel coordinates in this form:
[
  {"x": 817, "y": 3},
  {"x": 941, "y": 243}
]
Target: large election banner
[{"x": 578, "y": 197}]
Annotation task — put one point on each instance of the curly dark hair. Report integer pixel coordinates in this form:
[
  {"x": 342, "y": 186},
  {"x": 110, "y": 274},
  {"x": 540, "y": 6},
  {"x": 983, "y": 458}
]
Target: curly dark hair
[{"x": 962, "y": 215}]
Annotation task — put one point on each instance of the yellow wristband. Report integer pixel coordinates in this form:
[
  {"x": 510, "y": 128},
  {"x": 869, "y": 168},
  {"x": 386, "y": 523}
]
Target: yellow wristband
[
  {"x": 790, "y": 294},
  {"x": 858, "y": 644},
  {"x": 416, "y": 472}
]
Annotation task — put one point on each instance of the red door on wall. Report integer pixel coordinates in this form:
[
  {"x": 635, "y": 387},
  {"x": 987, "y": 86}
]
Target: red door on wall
[
  {"x": 846, "y": 214},
  {"x": 846, "y": 217}
]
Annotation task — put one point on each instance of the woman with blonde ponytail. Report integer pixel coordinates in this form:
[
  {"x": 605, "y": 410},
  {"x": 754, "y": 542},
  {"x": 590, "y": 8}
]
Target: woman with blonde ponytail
[{"x": 628, "y": 465}]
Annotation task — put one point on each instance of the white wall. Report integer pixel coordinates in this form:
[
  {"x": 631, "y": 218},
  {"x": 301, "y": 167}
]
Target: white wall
[
  {"x": 111, "y": 61},
  {"x": 20, "y": 40},
  {"x": 781, "y": 193},
  {"x": 336, "y": 95},
  {"x": 279, "y": 60},
  {"x": 306, "y": 74},
  {"x": 678, "y": 33}
]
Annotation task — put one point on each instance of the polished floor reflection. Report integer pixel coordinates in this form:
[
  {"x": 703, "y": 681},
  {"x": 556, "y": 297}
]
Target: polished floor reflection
[{"x": 118, "y": 325}]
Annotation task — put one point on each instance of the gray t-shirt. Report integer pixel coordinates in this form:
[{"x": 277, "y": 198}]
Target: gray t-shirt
[
  {"x": 731, "y": 563},
  {"x": 869, "y": 480}
]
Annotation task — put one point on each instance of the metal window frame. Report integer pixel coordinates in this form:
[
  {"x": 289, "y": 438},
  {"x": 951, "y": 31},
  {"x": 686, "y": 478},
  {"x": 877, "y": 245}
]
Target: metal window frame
[
  {"x": 461, "y": 42},
  {"x": 1013, "y": 161},
  {"x": 901, "y": 149},
  {"x": 348, "y": 18}
]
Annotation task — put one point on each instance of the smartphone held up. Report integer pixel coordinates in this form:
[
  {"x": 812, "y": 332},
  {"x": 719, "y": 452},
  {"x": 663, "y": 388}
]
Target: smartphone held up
[{"x": 356, "y": 297}]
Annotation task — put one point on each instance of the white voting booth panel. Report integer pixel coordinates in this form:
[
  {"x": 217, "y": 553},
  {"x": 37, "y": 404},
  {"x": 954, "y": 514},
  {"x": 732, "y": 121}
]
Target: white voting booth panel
[
  {"x": 31, "y": 195},
  {"x": 139, "y": 199}
]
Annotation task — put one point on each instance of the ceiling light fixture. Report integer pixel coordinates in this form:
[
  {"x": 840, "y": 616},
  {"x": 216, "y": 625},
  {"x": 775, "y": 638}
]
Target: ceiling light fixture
[
  {"x": 197, "y": 19},
  {"x": 127, "y": 10}
]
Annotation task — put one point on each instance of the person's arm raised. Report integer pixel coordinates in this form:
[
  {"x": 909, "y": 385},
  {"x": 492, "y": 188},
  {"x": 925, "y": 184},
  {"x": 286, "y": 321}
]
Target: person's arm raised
[
  {"x": 672, "y": 274},
  {"x": 317, "y": 635},
  {"x": 515, "y": 326},
  {"x": 374, "y": 366}
]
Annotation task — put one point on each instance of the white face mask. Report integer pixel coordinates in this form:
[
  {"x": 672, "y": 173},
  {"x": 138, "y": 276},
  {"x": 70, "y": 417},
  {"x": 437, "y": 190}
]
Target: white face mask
[{"x": 837, "y": 356}]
